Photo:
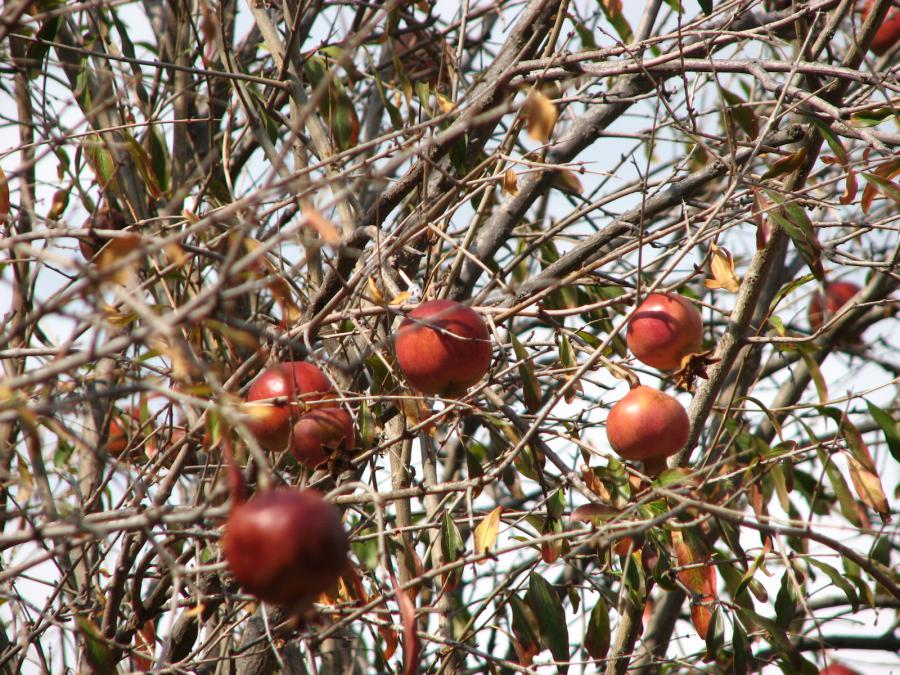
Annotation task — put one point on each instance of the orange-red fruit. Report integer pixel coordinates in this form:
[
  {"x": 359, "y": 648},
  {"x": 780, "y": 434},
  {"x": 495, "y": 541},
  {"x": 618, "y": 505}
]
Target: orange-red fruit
[
  {"x": 837, "y": 295},
  {"x": 443, "y": 348},
  {"x": 837, "y": 669},
  {"x": 647, "y": 425},
  {"x": 888, "y": 33},
  {"x": 665, "y": 329},
  {"x": 295, "y": 381},
  {"x": 320, "y": 432},
  {"x": 105, "y": 219},
  {"x": 285, "y": 546}
]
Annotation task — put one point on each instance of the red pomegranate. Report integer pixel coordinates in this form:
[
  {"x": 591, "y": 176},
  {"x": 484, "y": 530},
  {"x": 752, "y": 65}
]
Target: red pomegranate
[
  {"x": 888, "y": 33},
  {"x": 664, "y": 329},
  {"x": 443, "y": 348},
  {"x": 320, "y": 432},
  {"x": 104, "y": 219},
  {"x": 297, "y": 381},
  {"x": 837, "y": 669},
  {"x": 647, "y": 426},
  {"x": 285, "y": 546},
  {"x": 837, "y": 294}
]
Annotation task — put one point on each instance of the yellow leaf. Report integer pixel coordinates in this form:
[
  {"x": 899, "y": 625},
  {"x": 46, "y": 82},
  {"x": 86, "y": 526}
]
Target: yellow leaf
[
  {"x": 540, "y": 116},
  {"x": 510, "y": 183},
  {"x": 374, "y": 291},
  {"x": 324, "y": 227},
  {"x": 445, "y": 104},
  {"x": 109, "y": 260},
  {"x": 722, "y": 269},
  {"x": 176, "y": 254},
  {"x": 184, "y": 365},
  {"x": 190, "y": 216},
  {"x": 195, "y": 611},
  {"x": 486, "y": 532},
  {"x": 57, "y": 206},
  {"x": 868, "y": 486},
  {"x": 400, "y": 298}
]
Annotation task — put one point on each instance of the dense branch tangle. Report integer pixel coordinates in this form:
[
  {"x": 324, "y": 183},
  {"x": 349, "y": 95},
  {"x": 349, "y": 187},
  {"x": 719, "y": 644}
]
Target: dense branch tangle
[{"x": 297, "y": 176}]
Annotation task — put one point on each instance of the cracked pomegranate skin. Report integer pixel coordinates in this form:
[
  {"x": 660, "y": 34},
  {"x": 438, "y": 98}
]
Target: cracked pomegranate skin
[
  {"x": 285, "y": 546},
  {"x": 837, "y": 294},
  {"x": 297, "y": 380},
  {"x": 433, "y": 359},
  {"x": 319, "y": 430},
  {"x": 664, "y": 329},
  {"x": 647, "y": 424}
]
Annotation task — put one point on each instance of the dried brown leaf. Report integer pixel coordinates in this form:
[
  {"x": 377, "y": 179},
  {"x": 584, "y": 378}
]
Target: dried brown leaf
[
  {"x": 540, "y": 116},
  {"x": 510, "y": 183},
  {"x": 324, "y": 227},
  {"x": 722, "y": 270}
]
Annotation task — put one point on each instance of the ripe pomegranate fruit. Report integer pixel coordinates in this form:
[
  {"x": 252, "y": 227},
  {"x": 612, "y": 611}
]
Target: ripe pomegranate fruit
[
  {"x": 837, "y": 294},
  {"x": 270, "y": 423},
  {"x": 664, "y": 329},
  {"x": 837, "y": 669},
  {"x": 647, "y": 426},
  {"x": 320, "y": 432},
  {"x": 443, "y": 348},
  {"x": 888, "y": 33},
  {"x": 104, "y": 219},
  {"x": 285, "y": 546}
]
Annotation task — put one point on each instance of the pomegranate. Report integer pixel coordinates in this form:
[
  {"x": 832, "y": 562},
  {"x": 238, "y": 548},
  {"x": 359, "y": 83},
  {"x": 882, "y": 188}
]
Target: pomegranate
[
  {"x": 319, "y": 432},
  {"x": 285, "y": 546},
  {"x": 664, "y": 329},
  {"x": 443, "y": 348},
  {"x": 837, "y": 669},
  {"x": 647, "y": 426},
  {"x": 104, "y": 219},
  {"x": 837, "y": 294},
  {"x": 270, "y": 423},
  {"x": 888, "y": 32}
]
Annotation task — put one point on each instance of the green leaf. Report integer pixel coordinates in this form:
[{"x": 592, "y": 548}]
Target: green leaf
[
  {"x": 586, "y": 36},
  {"x": 831, "y": 138},
  {"x": 797, "y": 225},
  {"x": 393, "y": 111},
  {"x": 597, "y": 637},
  {"x": 546, "y": 604},
  {"x": 870, "y": 118},
  {"x": 837, "y": 579},
  {"x": 787, "y": 603},
  {"x": 845, "y": 499},
  {"x": 615, "y": 17},
  {"x": 887, "y": 187},
  {"x": 566, "y": 353},
  {"x": 742, "y": 652},
  {"x": 531, "y": 388},
  {"x": 741, "y": 113},
  {"x": 715, "y": 634},
  {"x": 451, "y": 541},
  {"x": 706, "y": 6},
  {"x": 97, "y": 649},
  {"x": 36, "y": 51},
  {"x": 889, "y": 426},
  {"x": 335, "y": 107},
  {"x": 524, "y": 626}
]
